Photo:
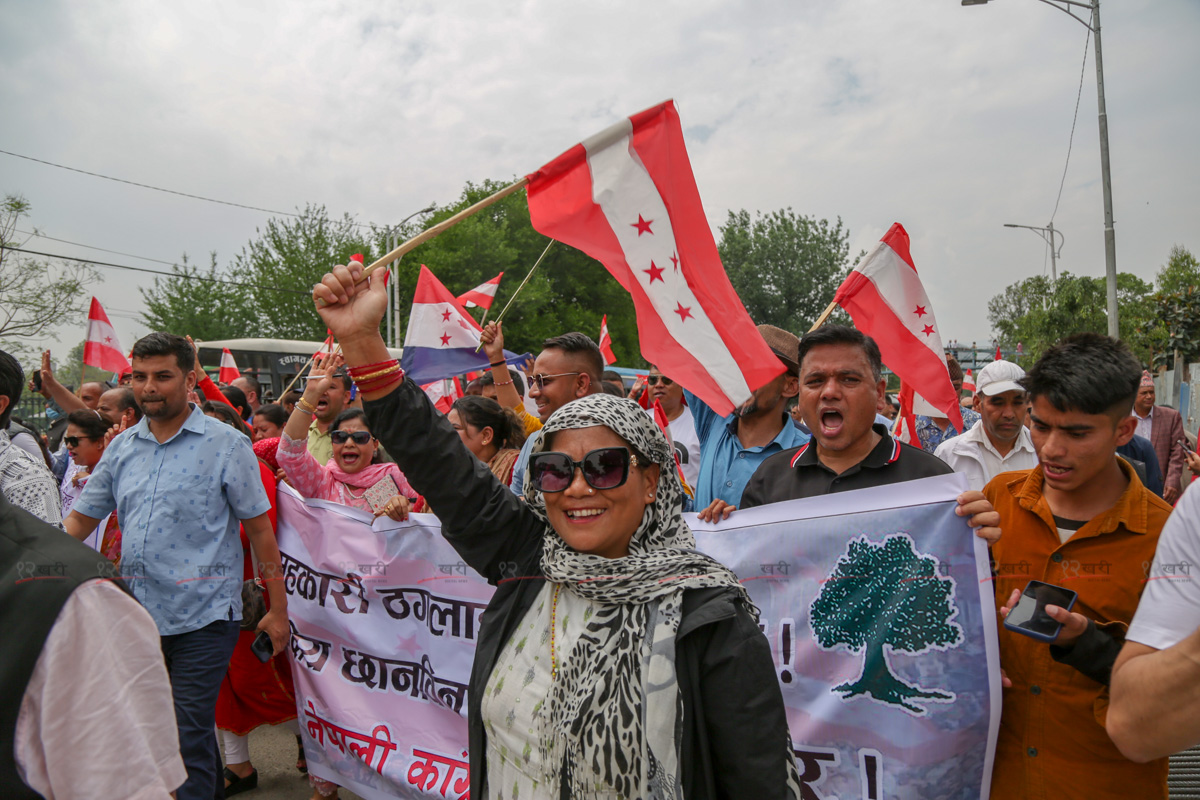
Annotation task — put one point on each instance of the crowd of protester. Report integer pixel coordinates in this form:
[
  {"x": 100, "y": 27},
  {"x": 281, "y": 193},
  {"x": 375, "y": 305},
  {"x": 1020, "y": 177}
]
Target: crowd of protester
[{"x": 584, "y": 489}]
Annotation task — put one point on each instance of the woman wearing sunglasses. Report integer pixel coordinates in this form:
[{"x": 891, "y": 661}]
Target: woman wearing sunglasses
[
  {"x": 493, "y": 434},
  {"x": 84, "y": 438},
  {"x": 353, "y": 477},
  {"x": 613, "y": 659}
]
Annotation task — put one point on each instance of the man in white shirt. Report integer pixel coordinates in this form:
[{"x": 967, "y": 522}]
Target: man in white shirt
[
  {"x": 679, "y": 422},
  {"x": 1155, "y": 689},
  {"x": 999, "y": 441}
]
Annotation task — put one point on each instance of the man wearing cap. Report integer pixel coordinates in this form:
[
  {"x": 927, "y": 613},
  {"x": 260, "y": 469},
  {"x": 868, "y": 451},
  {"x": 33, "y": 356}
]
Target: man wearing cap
[
  {"x": 999, "y": 441},
  {"x": 732, "y": 447},
  {"x": 1164, "y": 428}
]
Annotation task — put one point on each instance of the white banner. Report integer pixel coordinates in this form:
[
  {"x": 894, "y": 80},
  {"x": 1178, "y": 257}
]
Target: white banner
[{"x": 877, "y": 604}]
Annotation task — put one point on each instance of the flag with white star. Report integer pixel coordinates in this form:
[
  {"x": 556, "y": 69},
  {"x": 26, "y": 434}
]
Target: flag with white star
[
  {"x": 627, "y": 198},
  {"x": 885, "y": 298},
  {"x": 101, "y": 348}
]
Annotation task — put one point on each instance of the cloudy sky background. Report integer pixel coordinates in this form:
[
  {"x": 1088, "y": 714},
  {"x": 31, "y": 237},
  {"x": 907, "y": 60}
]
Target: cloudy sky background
[{"x": 948, "y": 119}]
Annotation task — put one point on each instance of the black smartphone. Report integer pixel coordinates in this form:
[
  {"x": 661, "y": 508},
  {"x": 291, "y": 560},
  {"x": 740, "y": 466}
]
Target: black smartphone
[
  {"x": 262, "y": 647},
  {"x": 37, "y": 380},
  {"x": 1029, "y": 616}
]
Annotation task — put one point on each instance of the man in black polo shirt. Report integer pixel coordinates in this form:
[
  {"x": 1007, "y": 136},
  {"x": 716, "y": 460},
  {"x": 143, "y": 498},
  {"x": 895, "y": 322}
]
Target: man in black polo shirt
[{"x": 841, "y": 385}]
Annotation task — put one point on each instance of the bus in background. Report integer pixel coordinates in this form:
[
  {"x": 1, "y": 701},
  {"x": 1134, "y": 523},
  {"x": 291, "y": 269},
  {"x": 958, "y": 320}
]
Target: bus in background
[{"x": 272, "y": 362}]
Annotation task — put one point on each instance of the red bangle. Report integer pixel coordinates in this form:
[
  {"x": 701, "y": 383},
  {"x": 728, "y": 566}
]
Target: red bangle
[
  {"x": 366, "y": 368},
  {"x": 380, "y": 383}
]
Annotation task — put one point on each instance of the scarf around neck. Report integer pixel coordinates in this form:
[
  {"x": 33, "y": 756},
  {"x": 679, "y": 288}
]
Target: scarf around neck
[{"x": 614, "y": 714}]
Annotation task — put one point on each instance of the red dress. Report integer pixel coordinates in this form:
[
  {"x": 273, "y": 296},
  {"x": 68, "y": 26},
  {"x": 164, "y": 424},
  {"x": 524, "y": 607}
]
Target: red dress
[{"x": 254, "y": 693}]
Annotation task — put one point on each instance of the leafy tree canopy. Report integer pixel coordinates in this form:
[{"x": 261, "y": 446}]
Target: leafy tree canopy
[{"x": 785, "y": 266}]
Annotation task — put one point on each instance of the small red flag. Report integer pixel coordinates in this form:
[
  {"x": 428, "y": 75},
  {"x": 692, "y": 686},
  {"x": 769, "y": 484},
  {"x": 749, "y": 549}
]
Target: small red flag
[
  {"x": 101, "y": 348},
  {"x": 999, "y": 356},
  {"x": 482, "y": 295},
  {"x": 606, "y": 343},
  {"x": 229, "y": 371}
]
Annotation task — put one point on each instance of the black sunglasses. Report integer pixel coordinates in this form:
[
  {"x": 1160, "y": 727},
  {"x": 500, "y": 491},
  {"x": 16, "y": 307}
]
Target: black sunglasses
[
  {"x": 359, "y": 437},
  {"x": 542, "y": 380},
  {"x": 73, "y": 441},
  {"x": 605, "y": 468},
  {"x": 663, "y": 379}
]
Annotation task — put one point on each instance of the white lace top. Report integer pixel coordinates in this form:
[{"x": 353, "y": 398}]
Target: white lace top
[{"x": 27, "y": 483}]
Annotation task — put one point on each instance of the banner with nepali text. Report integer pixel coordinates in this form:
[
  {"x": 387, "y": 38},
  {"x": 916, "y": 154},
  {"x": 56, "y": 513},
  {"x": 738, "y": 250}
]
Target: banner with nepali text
[{"x": 877, "y": 605}]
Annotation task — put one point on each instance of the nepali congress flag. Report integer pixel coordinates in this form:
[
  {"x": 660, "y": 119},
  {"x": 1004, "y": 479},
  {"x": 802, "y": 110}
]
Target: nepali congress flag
[
  {"x": 627, "y": 198},
  {"x": 606, "y": 343},
  {"x": 229, "y": 371},
  {"x": 886, "y": 300},
  {"x": 442, "y": 337},
  {"x": 101, "y": 348},
  {"x": 482, "y": 295}
]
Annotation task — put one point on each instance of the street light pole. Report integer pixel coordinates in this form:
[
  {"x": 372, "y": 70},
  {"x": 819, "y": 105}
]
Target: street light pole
[
  {"x": 1047, "y": 233},
  {"x": 1110, "y": 239},
  {"x": 393, "y": 311}
]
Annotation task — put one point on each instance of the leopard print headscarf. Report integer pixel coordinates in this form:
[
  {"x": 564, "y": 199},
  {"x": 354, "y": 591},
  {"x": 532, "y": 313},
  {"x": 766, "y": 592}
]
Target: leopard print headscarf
[{"x": 615, "y": 716}]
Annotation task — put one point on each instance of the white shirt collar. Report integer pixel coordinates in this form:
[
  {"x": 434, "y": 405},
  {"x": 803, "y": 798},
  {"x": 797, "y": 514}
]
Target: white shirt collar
[{"x": 978, "y": 435}]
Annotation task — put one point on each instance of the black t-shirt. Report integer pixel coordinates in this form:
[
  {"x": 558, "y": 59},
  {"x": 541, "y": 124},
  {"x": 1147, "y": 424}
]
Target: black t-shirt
[{"x": 796, "y": 473}]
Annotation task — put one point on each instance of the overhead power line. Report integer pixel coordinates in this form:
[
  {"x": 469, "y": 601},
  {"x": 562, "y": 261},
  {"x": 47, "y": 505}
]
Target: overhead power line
[
  {"x": 94, "y": 247},
  {"x": 1071, "y": 139},
  {"x": 167, "y": 191},
  {"x": 158, "y": 271}
]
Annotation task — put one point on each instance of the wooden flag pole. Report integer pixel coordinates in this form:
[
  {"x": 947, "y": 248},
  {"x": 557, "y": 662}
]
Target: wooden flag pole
[
  {"x": 296, "y": 377},
  {"x": 824, "y": 316},
  {"x": 427, "y": 234},
  {"x": 536, "y": 264}
]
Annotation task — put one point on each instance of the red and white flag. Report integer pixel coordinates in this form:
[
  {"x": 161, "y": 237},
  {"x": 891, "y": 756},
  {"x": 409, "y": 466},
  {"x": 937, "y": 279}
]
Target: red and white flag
[
  {"x": 886, "y": 300},
  {"x": 482, "y": 295},
  {"x": 443, "y": 393},
  {"x": 969, "y": 382},
  {"x": 229, "y": 371},
  {"x": 999, "y": 356},
  {"x": 627, "y": 198},
  {"x": 606, "y": 343},
  {"x": 101, "y": 348}
]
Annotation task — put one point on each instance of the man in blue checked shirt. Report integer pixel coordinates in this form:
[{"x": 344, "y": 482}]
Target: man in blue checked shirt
[{"x": 180, "y": 483}]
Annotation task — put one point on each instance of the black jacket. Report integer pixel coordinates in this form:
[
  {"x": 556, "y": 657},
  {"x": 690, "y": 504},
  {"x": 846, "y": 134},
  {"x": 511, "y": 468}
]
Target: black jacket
[{"x": 735, "y": 734}]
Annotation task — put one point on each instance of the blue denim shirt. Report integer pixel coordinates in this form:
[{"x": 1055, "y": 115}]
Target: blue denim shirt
[
  {"x": 179, "y": 504},
  {"x": 726, "y": 466}
]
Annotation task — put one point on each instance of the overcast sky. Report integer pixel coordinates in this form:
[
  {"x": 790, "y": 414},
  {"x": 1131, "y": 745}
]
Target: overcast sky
[{"x": 950, "y": 120}]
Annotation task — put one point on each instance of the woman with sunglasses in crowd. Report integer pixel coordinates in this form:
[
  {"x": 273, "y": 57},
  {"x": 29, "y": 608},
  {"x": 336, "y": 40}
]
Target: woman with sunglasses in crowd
[
  {"x": 85, "y": 440},
  {"x": 493, "y": 434},
  {"x": 613, "y": 659},
  {"x": 353, "y": 477}
]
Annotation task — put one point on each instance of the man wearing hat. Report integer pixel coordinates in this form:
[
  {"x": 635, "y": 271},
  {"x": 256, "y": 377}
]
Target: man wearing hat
[
  {"x": 999, "y": 441},
  {"x": 732, "y": 447},
  {"x": 1164, "y": 428}
]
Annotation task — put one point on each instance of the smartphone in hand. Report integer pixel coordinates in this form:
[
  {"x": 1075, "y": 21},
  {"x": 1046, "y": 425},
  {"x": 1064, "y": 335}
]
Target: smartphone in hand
[
  {"x": 262, "y": 647},
  {"x": 1029, "y": 615}
]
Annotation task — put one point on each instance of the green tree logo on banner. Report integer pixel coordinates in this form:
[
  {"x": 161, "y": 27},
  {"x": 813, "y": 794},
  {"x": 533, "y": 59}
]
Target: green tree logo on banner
[{"x": 886, "y": 596}]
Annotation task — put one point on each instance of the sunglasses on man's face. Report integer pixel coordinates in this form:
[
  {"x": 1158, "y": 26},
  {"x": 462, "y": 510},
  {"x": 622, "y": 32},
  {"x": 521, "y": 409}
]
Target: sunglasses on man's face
[
  {"x": 606, "y": 468},
  {"x": 73, "y": 441},
  {"x": 360, "y": 437},
  {"x": 655, "y": 379},
  {"x": 542, "y": 380}
]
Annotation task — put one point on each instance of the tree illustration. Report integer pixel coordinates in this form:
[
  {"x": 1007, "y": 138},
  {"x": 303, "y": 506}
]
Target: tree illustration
[{"x": 881, "y": 597}]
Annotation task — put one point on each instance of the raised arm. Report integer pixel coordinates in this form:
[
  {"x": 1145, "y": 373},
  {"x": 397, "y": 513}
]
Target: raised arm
[
  {"x": 481, "y": 518},
  {"x": 205, "y": 384},
  {"x": 493, "y": 345},
  {"x": 53, "y": 390}
]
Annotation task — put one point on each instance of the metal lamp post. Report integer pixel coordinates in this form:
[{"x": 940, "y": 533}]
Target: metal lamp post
[
  {"x": 1110, "y": 241},
  {"x": 1047, "y": 233},
  {"x": 393, "y": 312}
]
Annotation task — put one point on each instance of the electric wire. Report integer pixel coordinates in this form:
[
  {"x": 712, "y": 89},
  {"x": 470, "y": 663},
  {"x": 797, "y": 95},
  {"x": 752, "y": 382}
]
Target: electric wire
[{"x": 1071, "y": 139}]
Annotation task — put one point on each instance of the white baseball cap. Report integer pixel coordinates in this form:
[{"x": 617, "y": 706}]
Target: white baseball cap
[{"x": 997, "y": 377}]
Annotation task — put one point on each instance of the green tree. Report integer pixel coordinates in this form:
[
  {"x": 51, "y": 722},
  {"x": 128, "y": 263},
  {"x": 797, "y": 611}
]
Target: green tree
[
  {"x": 1180, "y": 273},
  {"x": 785, "y": 266},
  {"x": 569, "y": 292},
  {"x": 198, "y": 304},
  {"x": 886, "y": 597},
  {"x": 281, "y": 265},
  {"x": 1037, "y": 313},
  {"x": 36, "y": 297}
]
